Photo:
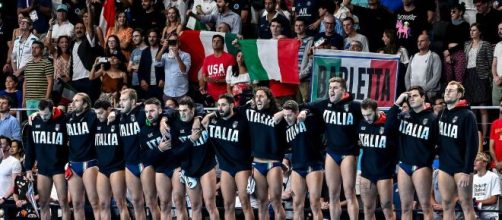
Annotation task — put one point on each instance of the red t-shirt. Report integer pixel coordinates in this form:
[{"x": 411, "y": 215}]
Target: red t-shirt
[
  {"x": 496, "y": 136},
  {"x": 216, "y": 68}
]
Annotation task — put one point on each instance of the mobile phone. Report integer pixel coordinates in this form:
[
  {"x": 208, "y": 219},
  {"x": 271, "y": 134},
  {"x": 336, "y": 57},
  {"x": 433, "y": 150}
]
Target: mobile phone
[
  {"x": 172, "y": 42},
  {"x": 102, "y": 60}
]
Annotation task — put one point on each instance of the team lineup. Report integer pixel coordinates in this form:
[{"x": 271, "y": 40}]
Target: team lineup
[{"x": 156, "y": 156}]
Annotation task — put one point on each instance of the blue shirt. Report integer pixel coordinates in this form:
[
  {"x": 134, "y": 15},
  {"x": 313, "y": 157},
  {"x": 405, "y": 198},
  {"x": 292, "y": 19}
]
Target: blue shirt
[
  {"x": 9, "y": 127},
  {"x": 176, "y": 81}
]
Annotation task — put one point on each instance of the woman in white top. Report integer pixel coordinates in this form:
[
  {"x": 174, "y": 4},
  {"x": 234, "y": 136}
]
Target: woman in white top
[{"x": 238, "y": 81}]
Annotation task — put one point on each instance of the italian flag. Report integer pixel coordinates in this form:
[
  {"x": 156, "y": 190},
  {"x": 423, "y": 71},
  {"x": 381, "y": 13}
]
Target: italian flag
[
  {"x": 107, "y": 17},
  {"x": 272, "y": 59},
  {"x": 199, "y": 45}
]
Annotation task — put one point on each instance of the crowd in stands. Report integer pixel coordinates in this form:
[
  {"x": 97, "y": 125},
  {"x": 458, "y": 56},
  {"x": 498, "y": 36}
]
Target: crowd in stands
[{"x": 57, "y": 53}]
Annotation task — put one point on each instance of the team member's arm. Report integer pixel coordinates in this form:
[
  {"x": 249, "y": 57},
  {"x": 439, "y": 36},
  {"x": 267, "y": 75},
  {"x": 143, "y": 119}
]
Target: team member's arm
[
  {"x": 471, "y": 141},
  {"x": 207, "y": 118},
  {"x": 29, "y": 155}
]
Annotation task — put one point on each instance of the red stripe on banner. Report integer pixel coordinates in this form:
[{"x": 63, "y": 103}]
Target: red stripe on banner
[
  {"x": 190, "y": 43},
  {"x": 109, "y": 14},
  {"x": 288, "y": 60},
  {"x": 383, "y": 81}
]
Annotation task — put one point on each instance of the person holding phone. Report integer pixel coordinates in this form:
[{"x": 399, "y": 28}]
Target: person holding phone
[{"x": 176, "y": 64}]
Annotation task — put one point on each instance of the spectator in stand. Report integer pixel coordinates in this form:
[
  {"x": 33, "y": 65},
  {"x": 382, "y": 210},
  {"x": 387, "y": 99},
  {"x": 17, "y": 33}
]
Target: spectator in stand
[
  {"x": 204, "y": 7},
  {"x": 40, "y": 12},
  {"x": 410, "y": 24},
  {"x": 151, "y": 77},
  {"x": 373, "y": 20},
  {"x": 238, "y": 81},
  {"x": 424, "y": 69},
  {"x": 390, "y": 46},
  {"x": 21, "y": 50},
  {"x": 332, "y": 39},
  {"x": 439, "y": 105},
  {"x": 214, "y": 69},
  {"x": 355, "y": 46},
  {"x": 180, "y": 5},
  {"x": 113, "y": 47},
  {"x": 9, "y": 125},
  {"x": 6, "y": 37},
  {"x": 352, "y": 35},
  {"x": 122, "y": 30},
  {"x": 173, "y": 22},
  {"x": 458, "y": 34},
  {"x": 479, "y": 56},
  {"x": 150, "y": 16},
  {"x": 60, "y": 26},
  {"x": 307, "y": 10},
  {"x": 327, "y": 8},
  {"x": 99, "y": 33},
  {"x": 224, "y": 15},
  {"x": 83, "y": 53},
  {"x": 10, "y": 168},
  {"x": 266, "y": 18},
  {"x": 489, "y": 18},
  {"x": 11, "y": 91},
  {"x": 496, "y": 141},
  {"x": 497, "y": 70},
  {"x": 176, "y": 64},
  {"x": 62, "y": 65},
  {"x": 276, "y": 29},
  {"x": 304, "y": 59},
  {"x": 485, "y": 188},
  {"x": 17, "y": 150},
  {"x": 132, "y": 67},
  {"x": 243, "y": 9},
  {"x": 223, "y": 27},
  {"x": 38, "y": 77},
  {"x": 390, "y": 41},
  {"x": 113, "y": 78}
]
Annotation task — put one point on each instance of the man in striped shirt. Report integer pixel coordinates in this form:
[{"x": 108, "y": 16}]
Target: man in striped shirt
[{"x": 38, "y": 75}]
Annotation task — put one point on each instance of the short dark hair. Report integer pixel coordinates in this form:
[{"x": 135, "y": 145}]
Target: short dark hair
[
  {"x": 230, "y": 99},
  {"x": 291, "y": 105},
  {"x": 218, "y": 36},
  {"x": 45, "y": 103},
  {"x": 301, "y": 19},
  {"x": 6, "y": 138},
  {"x": 349, "y": 19},
  {"x": 14, "y": 78},
  {"x": 276, "y": 20},
  {"x": 420, "y": 90},
  {"x": 9, "y": 100},
  {"x": 187, "y": 101},
  {"x": 153, "y": 101},
  {"x": 102, "y": 103},
  {"x": 39, "y": 43},
  {"x": 369, "y": 103}
]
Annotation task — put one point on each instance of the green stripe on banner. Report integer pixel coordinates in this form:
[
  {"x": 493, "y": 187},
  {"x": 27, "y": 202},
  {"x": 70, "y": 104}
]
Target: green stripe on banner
[
  {"x": 229, "y": 38},
  {"x": 320, "y": 81},
  {"x": 250, "y": 52}
]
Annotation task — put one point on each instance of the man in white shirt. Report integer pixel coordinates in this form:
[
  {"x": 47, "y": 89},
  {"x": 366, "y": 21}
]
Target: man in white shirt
[
  {"x": 10, "y": 167},
  {"x": 61, "y": 26},
  {"x": 352, "y": 35},
  {"x": 497, "y": 70},
  {"x": 424, "y": 69},
  {"x": 485, "y": 188}
]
